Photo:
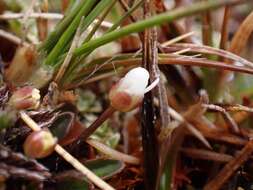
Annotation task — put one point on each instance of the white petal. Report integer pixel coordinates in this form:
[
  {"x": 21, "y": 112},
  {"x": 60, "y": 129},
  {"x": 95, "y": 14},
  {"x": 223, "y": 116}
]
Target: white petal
[{"x": 135, "y": 81}]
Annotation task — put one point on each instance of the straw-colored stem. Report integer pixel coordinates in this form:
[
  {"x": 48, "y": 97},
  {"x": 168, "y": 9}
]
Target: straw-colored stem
[
  {"x": 68, "y": 58},
  {"x": 13, "y": 38},
  {"x": 114, "y": 154}
]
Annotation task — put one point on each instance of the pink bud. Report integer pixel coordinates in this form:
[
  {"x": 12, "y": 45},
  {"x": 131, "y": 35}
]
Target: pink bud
[
  {"x": 25, "y": 98},
  {"x": 39, "y": 144},
  {"x": 129, "y": 91}
]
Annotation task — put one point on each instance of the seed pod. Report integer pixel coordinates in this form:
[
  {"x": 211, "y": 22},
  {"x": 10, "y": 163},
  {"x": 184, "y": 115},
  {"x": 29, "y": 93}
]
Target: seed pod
[
  {"x": 39, "y": 144},
  {"x": 129, "y": 91},
  {"x": 25, "y": 98}
]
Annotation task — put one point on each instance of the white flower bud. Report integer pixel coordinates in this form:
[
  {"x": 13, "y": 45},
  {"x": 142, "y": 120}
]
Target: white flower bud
[{"x": 129, "y": 91}]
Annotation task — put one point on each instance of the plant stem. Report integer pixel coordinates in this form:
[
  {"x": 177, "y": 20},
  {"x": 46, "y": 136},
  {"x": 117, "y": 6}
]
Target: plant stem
[
  {"x": 112, "y": 153},
  {"x": 153, "y": 21},
  {"x": 69, "y": 55},
  {"x": 13, "y": 38},
  {"x": 97, "y": 123},
  {"x": 100, "y": 7},
  {"x": 100, "y": 20},
  {"x": 126, "y": 15}
]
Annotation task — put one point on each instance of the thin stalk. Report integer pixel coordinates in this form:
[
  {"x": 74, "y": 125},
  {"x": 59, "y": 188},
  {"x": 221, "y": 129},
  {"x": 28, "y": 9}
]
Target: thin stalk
[
  {"x": 100, "y": 20},
  {"x": 43, "y": 15},
  {"x": 207, "y": 29},
  {"x": 132, "y": 18},
  {"x": 67, "y": 60},
  {"x": 177, "y": 39},
  {"x": 100, "y": 7},
  {"x": 153, "y": 21},
  {"x": 13, "y": 38},
  {"x": 48, "y": 16},
  {"x": 163, "y": 60},
  {"x": 224, "y": 30},
  {"x": 128, "y": 13},
  {"x": 112, "y": 153},
  {"x": 125, "y": 6},
  {"x": 100, "y": 76},
  {"x": 97, "y": 123}
]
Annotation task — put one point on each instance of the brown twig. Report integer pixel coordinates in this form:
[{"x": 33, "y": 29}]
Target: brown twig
[
  {"x": 42, "y": 24},
  {"x": 224, "y": 30},
  {"x": 206, "y": 155},
  {"x": 204, "y": 63},
  {"x": 231, "y": 123},
  {"x": 207, "y": 28},
  {"x": 209, "y": 50},
  {"x": 225, "y": 137},
  {"x": 126, "y": 8},
  {"x": 236, "y": 108},
  {"x": 174, "y": 114},
  {"x": 13, "y": 38},
  {"x": 230, "y": 168},
  {"x": 241, "y": 37}
]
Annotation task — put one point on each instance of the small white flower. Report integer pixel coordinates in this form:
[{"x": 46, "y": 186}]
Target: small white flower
[{"x": 129, "y": 91}]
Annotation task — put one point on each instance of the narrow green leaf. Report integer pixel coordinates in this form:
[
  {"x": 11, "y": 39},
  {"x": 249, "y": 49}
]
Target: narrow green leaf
[
  {"x": 104, "y": 168},
  {"x": 126, "y": 15},
  {"x": 54, "y": 36},
  {"x": 69, "y": 33},
  {"x": 153, "y": 21}
]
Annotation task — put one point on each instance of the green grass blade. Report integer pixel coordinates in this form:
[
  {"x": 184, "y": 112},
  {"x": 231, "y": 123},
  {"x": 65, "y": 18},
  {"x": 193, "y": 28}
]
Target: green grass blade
[
  {"x": 54, "y": 36},
  {"x": 100, "y": 7},
  {"x": 126, "y": 15},
  {"x": 101, "y": 19},
  {"x": 153, "y": 21},
  {"x": 117, "y": 23},
  {"x": 69, "y": 33}
]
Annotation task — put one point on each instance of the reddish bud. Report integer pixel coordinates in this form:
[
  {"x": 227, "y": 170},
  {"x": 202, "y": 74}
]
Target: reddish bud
[
  {"x": 25, "y": 98},
  {"x": 130, "y": 90},
  {"x": 39, "y": 144}
]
